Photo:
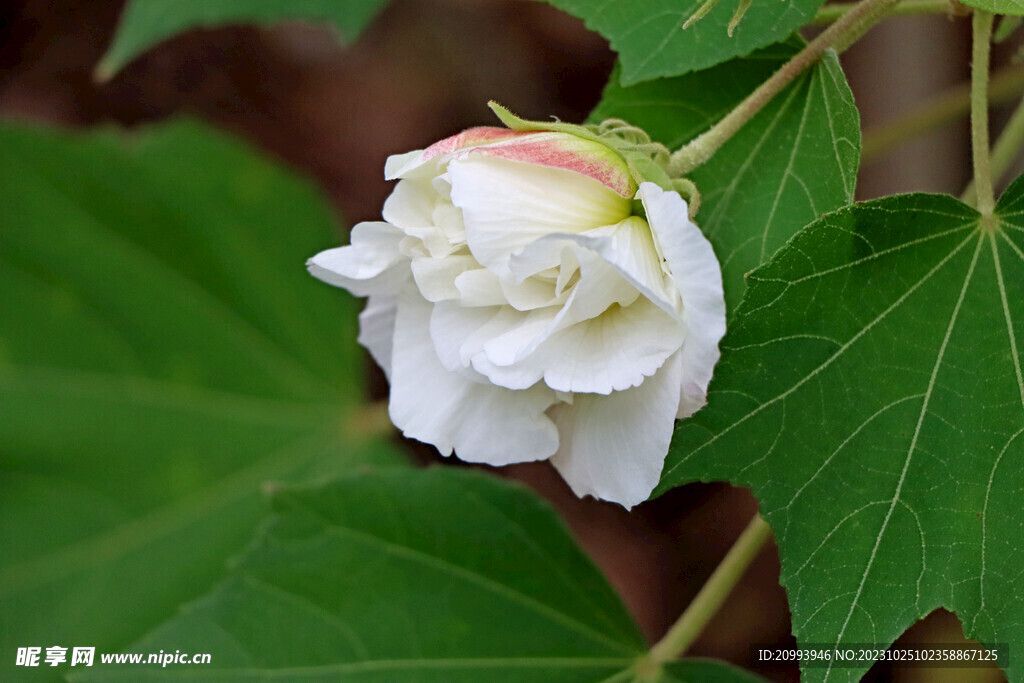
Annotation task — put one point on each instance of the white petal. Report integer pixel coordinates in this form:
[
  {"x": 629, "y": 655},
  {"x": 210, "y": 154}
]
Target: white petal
[
  {"x": 482, "y": 422},
  {"x": 436, "y": 276},
  {"x": 531, "y": 293},
  {"x": 698, "y": 276},
  {"x": 453, "y": 332},
  {"x": 506, "y": 205},
  {"x": 414, "y": 164},
  {"x": 614, "y": 447},
  {"x": 615, "y": 351},
  {"x": 480, "y": 287},
  {"x": 371, "y": 264},
  {"x": 377, "y": 329},
  {"x": 628, "y": 247},
  {"x": 410, "y": 204}
]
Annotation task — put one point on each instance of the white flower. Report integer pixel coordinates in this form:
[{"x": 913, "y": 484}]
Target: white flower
[{"x": 531, "y": 298}]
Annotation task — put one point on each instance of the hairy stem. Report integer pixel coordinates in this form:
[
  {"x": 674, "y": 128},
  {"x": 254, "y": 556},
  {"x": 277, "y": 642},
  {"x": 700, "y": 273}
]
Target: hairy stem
[
  {"x": 712, "y": 594},
  {"x": 1005, "y": 150},
  {"x": 848, "y": 27},
  {"x": 982, "y": 42}
]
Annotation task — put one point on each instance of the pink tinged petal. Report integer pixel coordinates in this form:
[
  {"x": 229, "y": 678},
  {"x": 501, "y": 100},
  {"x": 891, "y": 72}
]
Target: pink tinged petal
[
  {"x": 372, "y": 264},
  {"x": 569, "y": 152},
  {"x": 483, "y": 423},
  {"x": 614, "y": 447},
  {"x": 377, "y": 329},
  {"x": 472, "y": 137},
  {"x": 507, "y": 205},
  {"x": 435, "y": 277},
  {"x": 698, "y": 276}
]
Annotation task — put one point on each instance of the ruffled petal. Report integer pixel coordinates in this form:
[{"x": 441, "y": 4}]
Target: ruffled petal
[
  {"x": 371, "y": 264},
  {"x": 698, "y": 276},
  {"x": 436, "y": 276},
  {"x": 614, "y": 447},
  {"x": 483, "y": 423},
  {"x": 377, "y": 329},
  {"x": 507, "y": 205},
  {"x": 480, "y": 287},
  {"x": 410, "y": 205},
  {"x": 628, "y": 247},
  {"x": 614, "y": 351}
]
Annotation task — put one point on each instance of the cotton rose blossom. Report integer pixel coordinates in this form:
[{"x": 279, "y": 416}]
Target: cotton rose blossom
[{"x": 533, "y": 296}]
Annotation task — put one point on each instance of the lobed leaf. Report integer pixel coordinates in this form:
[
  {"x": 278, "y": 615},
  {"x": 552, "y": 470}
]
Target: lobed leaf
[
  {"x": 871, "y": 394},
  {"x": 436, "y": 575},
  {"x": 652, "y": 43},
  {"x": 796, "y": 160},
  {"x": 163, "y": 355}
]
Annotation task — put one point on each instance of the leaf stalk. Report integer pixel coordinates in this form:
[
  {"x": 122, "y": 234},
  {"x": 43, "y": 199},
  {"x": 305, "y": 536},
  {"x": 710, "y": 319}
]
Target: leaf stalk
[
  {"x": 843, "y": 32},
  {"x": 982, "y": 42},
  {"x": 711, "y": 596}
]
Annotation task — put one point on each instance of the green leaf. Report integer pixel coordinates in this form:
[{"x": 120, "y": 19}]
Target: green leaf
[
  {"x": 145, "y": 23},
  {"x": 435, "y": 575},
  {"x": 163, "y": 354},
  {"x": 651, "y": 41},
  {"x": 871, "y": 395},
  {"x": 1012, "y": 7},
  {"x": 796, "y": 160}
]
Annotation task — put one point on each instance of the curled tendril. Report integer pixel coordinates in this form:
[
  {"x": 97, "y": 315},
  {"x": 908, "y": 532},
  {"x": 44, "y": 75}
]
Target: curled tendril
[
  {"x": 635, "y": 139},
  {"x": 688, "y": 191}
]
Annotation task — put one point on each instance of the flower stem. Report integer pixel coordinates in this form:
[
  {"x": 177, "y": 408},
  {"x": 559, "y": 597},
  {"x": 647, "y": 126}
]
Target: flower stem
[
  {"x": 712, "y": 594},
  {"x": 947, "y": 107},
  {"x": 831, "y": 13},
  {"x": 848, "y": 27},
  {"x": 1006, "y": 149},
  {"x": 982, "y": 41}
]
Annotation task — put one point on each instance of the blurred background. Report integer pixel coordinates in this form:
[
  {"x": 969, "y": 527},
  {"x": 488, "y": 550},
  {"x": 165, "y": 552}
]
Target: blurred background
[{"x": 425, "y": 69}]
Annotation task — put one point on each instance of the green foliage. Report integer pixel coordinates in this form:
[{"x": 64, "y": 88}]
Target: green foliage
[
  {"x": 871, "y": 394},
  {"x": 651, "y": 41},
  {"x": 145, "y": 23},
  {"x": 1011, "y": 7},
  {"x": 796, "y": 160},
  {"x": 436, "y": 575},
  {"x": 163, "y": 354}
]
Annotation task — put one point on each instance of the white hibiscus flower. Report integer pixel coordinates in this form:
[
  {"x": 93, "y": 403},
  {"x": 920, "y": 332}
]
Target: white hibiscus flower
[{"x": 533, "y": 296}]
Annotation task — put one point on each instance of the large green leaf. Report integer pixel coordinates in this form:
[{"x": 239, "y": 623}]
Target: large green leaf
[
  {"x": 1012, "y": 7},
  {"x": 794, "y": 161},
  {"x": 148, "y": 22},
  {"x": 437, "y": 575},
  {"x": 871, "y": 394},
  {"x": 163, "y": 354},
  {"x": 651, "y": 41}
]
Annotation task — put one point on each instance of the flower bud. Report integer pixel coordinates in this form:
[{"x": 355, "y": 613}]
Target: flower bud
[{"x": 539, "y": 292}]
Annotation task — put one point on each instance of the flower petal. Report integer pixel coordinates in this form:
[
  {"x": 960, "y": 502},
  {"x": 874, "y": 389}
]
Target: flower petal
[
  {"x": 698, "y": 276},
  {"x": 436, "y": 276},
  {"x": 371, "y": 264},
  {"x": 506, "y": 205},
  {"x": 614, "y": 447},
  {"x": 483, "y": 423},
  {"x": 627, "y": 246},
  {"x": 377, "y": 329},
  {"x": 615, "y": 351}
]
